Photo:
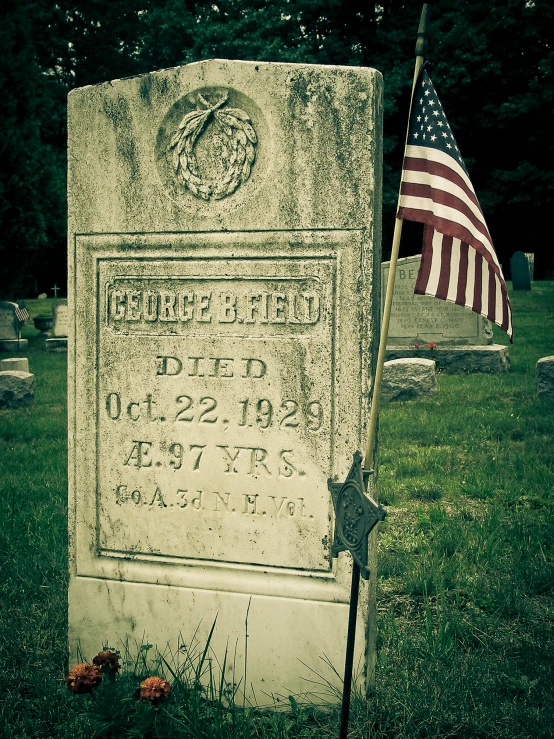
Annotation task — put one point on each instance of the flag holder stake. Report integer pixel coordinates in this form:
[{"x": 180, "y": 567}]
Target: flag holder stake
[{"x": 356, "y": 513}]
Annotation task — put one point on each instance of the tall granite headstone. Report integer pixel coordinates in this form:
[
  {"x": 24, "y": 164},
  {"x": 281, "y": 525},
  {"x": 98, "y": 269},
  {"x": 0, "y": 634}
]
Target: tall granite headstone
[
  {"x": 453, "y": 336},
  {"x": 224, "y": 226},
  {"x": 519, "y": 264}
]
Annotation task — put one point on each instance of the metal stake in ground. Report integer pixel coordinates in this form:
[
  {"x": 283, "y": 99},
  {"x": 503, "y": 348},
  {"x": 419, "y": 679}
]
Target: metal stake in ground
[{"x": 356, "y": 514}]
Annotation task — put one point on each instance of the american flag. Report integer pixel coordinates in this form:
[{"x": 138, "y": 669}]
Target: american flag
[
  {"x": 21, "y": 312},
  {"x": 458, "y": 262}
]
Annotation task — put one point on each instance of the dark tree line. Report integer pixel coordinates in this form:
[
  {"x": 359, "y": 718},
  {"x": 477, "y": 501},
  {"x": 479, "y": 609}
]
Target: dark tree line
[{"x": 492, "y": 64}]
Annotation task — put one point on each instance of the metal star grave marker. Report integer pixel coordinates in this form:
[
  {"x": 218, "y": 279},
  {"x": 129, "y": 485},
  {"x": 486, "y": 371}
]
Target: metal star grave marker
[{"x": 356, "y": 514}]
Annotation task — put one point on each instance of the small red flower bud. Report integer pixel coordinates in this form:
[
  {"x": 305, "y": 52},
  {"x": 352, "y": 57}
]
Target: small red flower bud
[{"x": 107, "y": 660}]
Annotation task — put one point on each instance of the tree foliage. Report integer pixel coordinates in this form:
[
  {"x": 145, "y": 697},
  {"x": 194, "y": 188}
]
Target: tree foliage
[{"x": 492, "y": 64}]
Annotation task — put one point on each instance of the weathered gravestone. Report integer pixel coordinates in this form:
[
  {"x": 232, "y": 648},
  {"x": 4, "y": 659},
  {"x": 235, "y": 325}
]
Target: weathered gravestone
[
  {"x": 521, "y": 279},
  {"x": 60, "y": 327},
  {"x": 453, "y": 336},
  {"x": 16, "y": 388},
  {"x": 545, "y": 377},
  {"x": 224, "y": 226},
  {"x": 10, "y": 328}
]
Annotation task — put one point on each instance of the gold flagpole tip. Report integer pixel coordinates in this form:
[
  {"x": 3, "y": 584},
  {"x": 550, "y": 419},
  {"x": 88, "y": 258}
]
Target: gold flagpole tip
[{"x": 421, "y": 43}]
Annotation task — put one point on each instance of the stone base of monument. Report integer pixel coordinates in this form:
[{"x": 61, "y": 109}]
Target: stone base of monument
[
  {"x": 17, "y": 364},
  {"x": 10, "y": 345},
  {"x": 56, "y": 345},
  {"x": 16, "y": 389},
  {"x": 407, "y": 379},
  {"x": 494, "y": 358},
  {"x": 545, "y": 377}
]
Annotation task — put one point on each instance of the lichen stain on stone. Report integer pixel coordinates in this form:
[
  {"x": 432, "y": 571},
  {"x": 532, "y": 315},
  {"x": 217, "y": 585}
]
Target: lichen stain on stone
[{"x": 119, "y": 113}]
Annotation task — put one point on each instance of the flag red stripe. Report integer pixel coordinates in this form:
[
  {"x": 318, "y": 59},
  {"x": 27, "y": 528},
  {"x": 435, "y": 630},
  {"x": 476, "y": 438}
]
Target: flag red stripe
[
  {"x": 477, "y": 297},
  {"x": 426, "y": 259},
  {"x": 448, "y": 227},
  {"x": 462, "y": 274},
  {"x": 492, "y": 296},
  {"x": 444, "y": 278},
  {"x": 444, "y": 198},
  {"x": 440, "y": 170}
]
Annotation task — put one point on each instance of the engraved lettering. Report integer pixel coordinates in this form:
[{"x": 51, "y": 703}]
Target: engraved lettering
[
  {"x": 118, "y": 305},
  {"x": 202, "y": 308},
  {"x": 257, "y": 460},
  {"x": 149, "y": 306},
  {"x": 278, "y": 308},
  {"x": 167, "y": 307},
  {"x": 158, "y": 499},
  {"x": 133, "y": 312},
  {"x": 134, "y": 416},
  {"x": 221, "y": 501},
  {"x": 227, "y": 308},
  {"x": 278, "y": 506},
  {"x": 254, "y": 368},
  {"x": 113, "y": 406},
  {"x": 169, "y": 365},
  {"x": 229, "y": 459},
  {"x": 311, "y": 307},
  {"x": 139, "y": 454},
  {"x": 286, "y": 467},
  {"x": 186, "y": 300},
  {"x": 250, "y": 503}
]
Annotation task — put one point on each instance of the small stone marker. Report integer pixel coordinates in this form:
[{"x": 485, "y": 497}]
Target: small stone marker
[
  {"x": 222, "y": 219},
  {"x": 453, "y": 336},
  {"x": 407, "y": 379},
  {"x": 17, "y": 364},
  {"x": 521, "y": 279},
  {"x": 531, "y": 262},
  {"x": 60, "y": 327},
  {"x": 10, "y": 334},
  {"x": 42, "y": 296},
  {"x": 16, "y": 389},
  {"x": 545, "y": 377}
]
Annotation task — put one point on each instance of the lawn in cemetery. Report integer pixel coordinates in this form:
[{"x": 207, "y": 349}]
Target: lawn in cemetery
[{"x": 466, "y": 571}]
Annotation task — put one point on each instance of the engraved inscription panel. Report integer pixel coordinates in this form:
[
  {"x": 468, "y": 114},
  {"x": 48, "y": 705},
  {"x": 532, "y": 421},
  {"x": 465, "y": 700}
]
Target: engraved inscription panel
[
  {"x": 214, "y": 409},
  {"x": 422, "y": 315}
]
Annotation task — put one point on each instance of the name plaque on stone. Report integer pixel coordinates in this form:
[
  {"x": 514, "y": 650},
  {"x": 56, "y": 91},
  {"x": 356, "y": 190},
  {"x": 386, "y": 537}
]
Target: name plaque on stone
[
  {"x": 224, "y": 244},
  {"x": 424, "y": 318}
]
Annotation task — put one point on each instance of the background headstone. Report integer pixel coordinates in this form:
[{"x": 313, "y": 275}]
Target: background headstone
[
  {"x": 18, "y": 364},
  {"x": 60, "y": 327},
  {"x": 407, "y": 379},
  {"x": 16, "y": 389},
  {"x": 521, "y": 279},
  {"x": 456, "y": 338},
  {"x": 223, "y": 221},
  {"x": 545, "y": 377},
  {"x": 10, "y": 335}
]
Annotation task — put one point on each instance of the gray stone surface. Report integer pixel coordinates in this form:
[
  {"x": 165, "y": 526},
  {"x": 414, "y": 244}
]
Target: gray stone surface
[
  {"x": 491, "y": 359},
  {"x": 424, "y": 319},
  {"x": 545, "y": 377},
  {"x": 521, "y": 279},
  {"x": 19, "y": 364},
  {"x": 9, "y": 326},
  {"x": 224, "y": 226},
  {"x": 407, "y": 379},
  {"x": 16, "y": 389}
]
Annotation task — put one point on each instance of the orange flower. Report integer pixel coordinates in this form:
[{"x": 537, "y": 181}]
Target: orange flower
[
  {"x": 416, "y": 345},
  {"x": 83, "y": 678},
  {"x": 431, "y": 346},
  {"x": 107, "y": 660},
  {"x": 154, "y": 689}
]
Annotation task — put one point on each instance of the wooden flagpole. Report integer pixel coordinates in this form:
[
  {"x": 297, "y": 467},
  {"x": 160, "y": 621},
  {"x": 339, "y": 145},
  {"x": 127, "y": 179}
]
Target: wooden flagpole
[{"x": 368, "y": 461}]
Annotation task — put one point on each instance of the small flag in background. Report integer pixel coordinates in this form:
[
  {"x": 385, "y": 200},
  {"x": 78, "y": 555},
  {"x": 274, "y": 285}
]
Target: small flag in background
[
  {"x": 458, "y": 261},
  {"x": 21, "y": 313}
]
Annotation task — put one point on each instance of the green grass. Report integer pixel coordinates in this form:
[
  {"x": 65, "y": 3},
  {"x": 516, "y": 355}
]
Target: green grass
[{"x": 466, "y": 570}]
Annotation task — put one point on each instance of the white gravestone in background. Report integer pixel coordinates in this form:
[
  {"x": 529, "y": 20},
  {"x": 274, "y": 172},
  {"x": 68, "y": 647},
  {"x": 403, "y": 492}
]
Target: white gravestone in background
[
  {"x": 426, "y": 319},
  {"x": 60, "y": 327},
  {"x": 10, "y": 328},
  {"x": 224, "y": 237}
]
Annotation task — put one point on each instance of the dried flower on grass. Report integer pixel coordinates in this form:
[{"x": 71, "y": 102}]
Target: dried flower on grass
[
  {"x": 154, "y": 689},
  {"x": 83, "y": 678},
  {"x": 107, "y": 660}
]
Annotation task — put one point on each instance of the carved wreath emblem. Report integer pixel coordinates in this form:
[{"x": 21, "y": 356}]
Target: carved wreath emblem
[{"x": 238, "y": 149}]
